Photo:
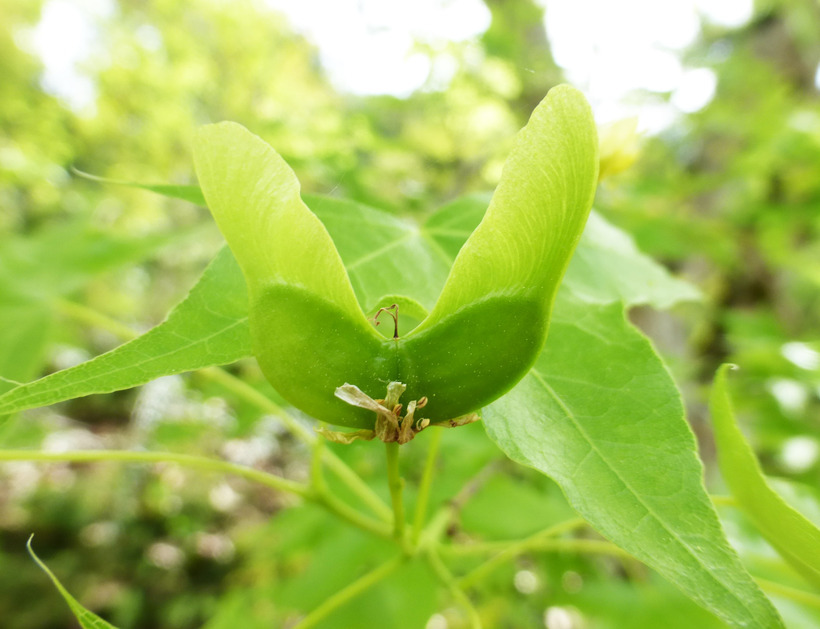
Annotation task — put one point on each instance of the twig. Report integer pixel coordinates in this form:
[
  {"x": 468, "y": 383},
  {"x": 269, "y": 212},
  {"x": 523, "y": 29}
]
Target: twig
[
  {"x": 517, "y": 548},
  {"x": 448, "y": 580},
  {"x": 450, "y": 510},
  {"x": 353, "y": 590},
  {"x": 801, "y": 596},
  {"x": 423, "y": 496},
  {"x": 396, "y": 484},
  {"x": 187, "y": 460},
  {"x": 591, "y": 546}
]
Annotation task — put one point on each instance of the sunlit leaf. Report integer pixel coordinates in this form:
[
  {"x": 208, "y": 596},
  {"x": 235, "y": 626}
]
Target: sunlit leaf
[
  {"x": 208, "y": 328},
  {"x": 58, "y": 260},
  {"x": 190, "y": 193},
  {"x": 384, "y": 254},
  {"x": 794, "y": 536},
  {"x": 608, "y": 267},
  {"x": 601, "y": 416}
]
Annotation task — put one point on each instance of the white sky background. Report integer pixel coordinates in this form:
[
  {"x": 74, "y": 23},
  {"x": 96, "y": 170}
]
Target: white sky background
[{"x": 608, "y": 49}]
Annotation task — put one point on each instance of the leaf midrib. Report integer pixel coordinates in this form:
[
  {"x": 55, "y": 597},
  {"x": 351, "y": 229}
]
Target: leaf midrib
[
  {"x": 14, "y": 404},
  {"x": 539, "y": 377}
]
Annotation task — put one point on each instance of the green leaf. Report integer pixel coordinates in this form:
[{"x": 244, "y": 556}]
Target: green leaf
[
  {"x": 208, "y": 328},
  {"x": 792, "y": 535},
  {"x": 384, "y": 255},
  {"x": 601, "y": 416},
  {"x": 87, "y": 619},
  {"x": 608, "y": 267},
  {"x": 59, "y": 259},
  {"x": 191, "y": 193}
]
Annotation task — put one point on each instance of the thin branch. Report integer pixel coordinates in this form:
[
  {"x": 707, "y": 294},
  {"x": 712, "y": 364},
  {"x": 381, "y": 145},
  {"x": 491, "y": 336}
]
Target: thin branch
[
  {"x": 517, "y": 548},
  {"x": 186, "y": 460},
  {"x": 358, "y": 587},
  {"x": 94, "y": 318},
  {"x": 800, "y": 596},
  {"x": 449, "y": 581},
  {"x": 449, "y": 511},
  {"x": 396, "y": 484},
  {"x": 423, "y": 496},
  {"x": 591, "y": 546},
  {"x": 323, "y": 496},
  {"x": 346, "y": 512}
]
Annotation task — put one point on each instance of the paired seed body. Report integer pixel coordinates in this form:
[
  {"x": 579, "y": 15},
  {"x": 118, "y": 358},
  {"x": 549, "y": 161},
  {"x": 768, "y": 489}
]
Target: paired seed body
[{"x": 309, "y": 333}]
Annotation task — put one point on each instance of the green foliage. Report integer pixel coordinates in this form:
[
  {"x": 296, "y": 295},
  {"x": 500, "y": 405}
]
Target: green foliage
[
  {"x": 87, "y": 619},
  {"x": 380, "y": 253},
  {"x": 298, "y": 532},
  {"x": 577, "y": 324},
  {"x": 794, "y": 537},
  {"x": 208, "y": 328},
  {"x": 493, "y": 313},
  {"x": 38, "y": 270},
  {"x": 600, "y": 415}
]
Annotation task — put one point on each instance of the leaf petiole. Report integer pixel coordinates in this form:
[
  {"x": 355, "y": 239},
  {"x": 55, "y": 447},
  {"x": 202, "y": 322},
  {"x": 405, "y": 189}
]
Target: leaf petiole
[
  {"x": 358, "y": 587},
  {"x": 396, "y": 484},
  {"x": 516, "y": 548},
  {"x": 185, "y": 460},
  {"x": 423, "y": 496},
  {"x": 456, "y": 591}
]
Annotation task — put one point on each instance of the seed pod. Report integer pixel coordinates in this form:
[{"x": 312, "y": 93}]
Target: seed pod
[{"x": 490, "y": 322}]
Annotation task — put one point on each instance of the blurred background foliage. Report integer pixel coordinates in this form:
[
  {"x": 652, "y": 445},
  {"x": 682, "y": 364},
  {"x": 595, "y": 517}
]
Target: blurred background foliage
[{"x": 727, "y": 195}]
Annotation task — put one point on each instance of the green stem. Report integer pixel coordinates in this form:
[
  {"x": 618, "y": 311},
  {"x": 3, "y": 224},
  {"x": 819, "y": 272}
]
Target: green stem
[
  {"x": 423, "y": 496},
  {"x": 323, "y": 496},
  {"x": 723, "y": 501},
  {"x": 396, "y": 484},
  {"x": 353, "y": 590},
  {"x": 517, "y": 548},
  {"x": 800, "y": 596},
  {"x": 449, "y": 581},
  {"x": 243, "y": 390},
  {"x": 346, "y": 512},
  {"x": 591, "y": 546},
  {"x": 317, "y": 479},
  {"x": 332, "y": 504},
  {"x": 435, "y": 529},
  {"x": 353, "y": 481},
  {"x": 91, "y": 317},
  {"x": 449, "y": 511},
  {"x": 186, "y": 460},
  {"x": 357, "y": 486}
]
